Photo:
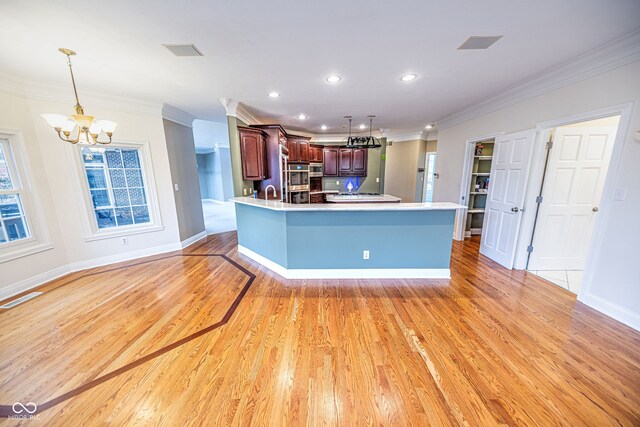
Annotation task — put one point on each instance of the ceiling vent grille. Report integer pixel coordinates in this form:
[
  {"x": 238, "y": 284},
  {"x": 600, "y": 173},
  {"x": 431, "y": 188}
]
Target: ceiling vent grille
[
  {"x": 183, "y": 49},
  {"x": 479, "y": 42}
]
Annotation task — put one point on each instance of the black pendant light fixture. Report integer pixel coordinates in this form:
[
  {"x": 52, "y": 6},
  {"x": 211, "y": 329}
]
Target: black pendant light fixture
[{"x": 363, "y": 141}]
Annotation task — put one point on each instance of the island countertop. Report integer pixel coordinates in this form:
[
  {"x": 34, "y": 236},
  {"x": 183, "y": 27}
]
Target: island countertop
[{"x": 329, "y": 207}]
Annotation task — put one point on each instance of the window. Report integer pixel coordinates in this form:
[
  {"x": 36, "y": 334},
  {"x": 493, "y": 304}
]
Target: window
[
  {"x": 117, "y": 186},
  {"x": 13, "y": 220}
]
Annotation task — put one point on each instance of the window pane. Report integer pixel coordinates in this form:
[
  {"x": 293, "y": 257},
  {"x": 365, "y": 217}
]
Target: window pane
[
  {"x": 136, "y": 195},
  {"x": 106, "y": 218},
  {"x": 134, "y": 177},
  {"x": 92, "y": 155},
  {"x": 131, "y": 158},
  {"x": 96, "y": 178},
  {"x": 140, "y": 214},
  {"x": 100, "y": 198},
  {"x": 121, "y": 197},
  {"x": 3, "y": 239},
  {"x": 117, "y": 178},
  {"x": 10, "y": 206},
  {"x": 123, "y": 216},
  {"x": 5, "y": 178},
  {"x": 16, "y": 228},
  {"x": 114, "y": 159}
]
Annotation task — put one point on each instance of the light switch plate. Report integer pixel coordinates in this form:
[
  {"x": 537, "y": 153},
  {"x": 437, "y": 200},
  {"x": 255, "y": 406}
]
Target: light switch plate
[{"x": 175, "y": 187}]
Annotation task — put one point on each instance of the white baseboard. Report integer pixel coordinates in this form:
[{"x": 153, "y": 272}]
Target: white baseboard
[
  {"x": 612, "y": 310},
  {"x": 344, "y": 273},
  {"x": 220, "y": 202},
  {"x": 32, "y": 282},
  {"x": 191, "y": 240}
]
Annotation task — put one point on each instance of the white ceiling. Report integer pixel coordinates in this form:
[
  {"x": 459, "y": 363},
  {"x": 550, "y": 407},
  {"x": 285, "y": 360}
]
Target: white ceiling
[{"x": 252, "y": 47}]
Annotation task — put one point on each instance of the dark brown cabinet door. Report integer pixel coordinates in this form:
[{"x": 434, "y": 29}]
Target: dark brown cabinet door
[
  {"x": 292, "y": 145},
  {"x": 359, "y": 161},
  {"x": 330, "y": 164},
  {"x": 345, "y": 162},
  {"x": 315, "y": 153},
  {"x": 252, "y": 151},
  {"x": 303, "y": 151}
]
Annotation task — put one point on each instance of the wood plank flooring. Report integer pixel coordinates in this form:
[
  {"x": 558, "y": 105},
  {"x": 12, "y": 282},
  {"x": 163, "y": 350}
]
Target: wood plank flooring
[{"x": 208, "y": 337}]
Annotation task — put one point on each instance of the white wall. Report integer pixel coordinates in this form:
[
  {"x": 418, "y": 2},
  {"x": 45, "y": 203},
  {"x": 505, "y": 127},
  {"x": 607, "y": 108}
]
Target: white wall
[
  {"x": 206, "y": 134},
  {"x": 51, "y": 172},
  {"x": 612, "y": 283}
]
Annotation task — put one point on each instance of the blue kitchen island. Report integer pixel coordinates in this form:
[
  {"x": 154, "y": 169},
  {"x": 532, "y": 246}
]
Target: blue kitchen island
[{"x": 314, "y": 241}]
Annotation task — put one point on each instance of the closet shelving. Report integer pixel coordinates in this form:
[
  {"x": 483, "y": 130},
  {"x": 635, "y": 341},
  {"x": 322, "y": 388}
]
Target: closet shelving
[{"x": 479, "y": 186}]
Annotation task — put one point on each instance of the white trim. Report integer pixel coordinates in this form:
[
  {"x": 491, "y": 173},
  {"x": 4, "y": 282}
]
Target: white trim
[
  {"x": 33, "y": 282},
  {"x": 343, "y": 273},
  {"x": 619, "y": 53},
  {"x": 193, "y": 239},
  {"x": 213, "y": 201},
  {"x": 126, "y": 256},
  {"x": 612, "y": 310},
  {"x": 42, "y": 91},
  {"x": 110, "y": 233},
  {"x": 177, "y": 115}
]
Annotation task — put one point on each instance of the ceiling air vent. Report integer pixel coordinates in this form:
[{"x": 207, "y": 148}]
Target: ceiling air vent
[
  {"x": 183, "y": 49},
  {"x": 479, "y": 42}
]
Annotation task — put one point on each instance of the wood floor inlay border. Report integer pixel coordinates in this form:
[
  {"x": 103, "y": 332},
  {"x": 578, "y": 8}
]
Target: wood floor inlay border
[{"x": 7, "y": 410}]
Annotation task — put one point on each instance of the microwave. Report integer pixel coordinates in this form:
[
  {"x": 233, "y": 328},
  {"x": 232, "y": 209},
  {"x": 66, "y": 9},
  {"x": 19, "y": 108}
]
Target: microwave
[{"x": 315, "y": 169}]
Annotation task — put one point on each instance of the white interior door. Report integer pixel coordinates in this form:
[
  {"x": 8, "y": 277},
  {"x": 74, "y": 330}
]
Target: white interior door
[
  {"x": 574, "y": 182},
  {"x": 505, "y": 199},
  {"x": 429, "y": 180}
]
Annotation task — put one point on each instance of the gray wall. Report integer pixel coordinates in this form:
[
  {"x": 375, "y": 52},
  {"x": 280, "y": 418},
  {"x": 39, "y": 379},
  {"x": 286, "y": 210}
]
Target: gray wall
[
  {"x": 214, "y": 173},
  {"x": 368, "y": 184},
  {"x": 226, "y": 172},
  {"x": 184, "y": 172}
]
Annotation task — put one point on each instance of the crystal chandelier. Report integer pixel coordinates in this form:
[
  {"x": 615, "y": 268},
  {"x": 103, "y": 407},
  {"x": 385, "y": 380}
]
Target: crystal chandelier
[
  {"x": 362, "y": 141},
  {"x": 88, "y": 130}
]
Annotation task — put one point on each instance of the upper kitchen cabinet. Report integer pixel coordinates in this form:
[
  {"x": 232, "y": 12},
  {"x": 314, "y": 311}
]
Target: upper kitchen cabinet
[
  {"x": 275, "y": 137},
  {"x": 330, "y": 163},
  {"x": 253, "y": 154},
  {"x": 352, "y": 162},
  {"x": 298, "y": 149},
  {"x": 315, "y": 154}
]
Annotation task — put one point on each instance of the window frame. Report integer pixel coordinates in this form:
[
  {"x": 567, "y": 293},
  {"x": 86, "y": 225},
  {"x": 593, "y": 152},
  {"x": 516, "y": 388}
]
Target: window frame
[
  {"x": 92, "y": 231},
  {"x": 39, "y": 239}
]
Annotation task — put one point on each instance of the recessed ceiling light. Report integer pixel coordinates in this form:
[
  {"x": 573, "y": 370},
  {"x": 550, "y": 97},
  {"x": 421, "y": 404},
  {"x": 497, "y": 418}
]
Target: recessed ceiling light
[
  {"x": 274, "y": 94},
  {"x": 409, "y": 77},
  {"x": 428, "y": 126},
  {"x": 362, "y": 126},
  {"x": 302, "y": 116},
  {"x": 334, "y": 78},
  {"x": 324, "y": 127}
]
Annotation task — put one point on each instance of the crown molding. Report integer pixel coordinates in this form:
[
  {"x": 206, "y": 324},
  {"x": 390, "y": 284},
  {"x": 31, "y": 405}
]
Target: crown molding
[
  {"x": 236, "y": 109},
  {"x": 177, "y": 115},
  {"x": 42, "y": 91},
  {"x": 616, "y": 54}
]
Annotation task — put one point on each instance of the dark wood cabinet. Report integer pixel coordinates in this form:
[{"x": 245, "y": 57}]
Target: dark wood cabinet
[
  {"x": 316, "y": 198},
  {"x": 275, "y": 136},
  {"x": 315, "y": 154},
  {"x": 330, "y": 163},
  {"x": 298, "y": 149},
  {"x": 359, "y": 161},
  {"x": 352, "y": 162},
  {"x": 253, "y": 154}
]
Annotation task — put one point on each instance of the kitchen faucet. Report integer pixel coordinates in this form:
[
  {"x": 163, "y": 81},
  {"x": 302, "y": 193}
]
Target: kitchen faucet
[{"x": 266, "y": 192}]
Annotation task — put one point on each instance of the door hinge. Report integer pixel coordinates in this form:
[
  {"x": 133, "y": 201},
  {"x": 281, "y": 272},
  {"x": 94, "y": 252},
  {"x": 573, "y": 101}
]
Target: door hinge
[
  {"x": 539, "y": 199},
  {"x": 549, "y": 145},
  {"x": 529, "y": 249}
]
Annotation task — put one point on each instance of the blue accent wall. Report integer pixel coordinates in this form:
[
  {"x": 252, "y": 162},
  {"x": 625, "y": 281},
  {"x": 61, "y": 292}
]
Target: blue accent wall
[{"x": 335, "y": 239}]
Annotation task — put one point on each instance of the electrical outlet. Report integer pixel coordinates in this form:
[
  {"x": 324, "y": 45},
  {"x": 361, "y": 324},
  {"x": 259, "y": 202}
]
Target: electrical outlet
[
  {"x": 125, "y": 240},
  {"x": 365, "y": 254},
  {"x": 175, "y": 187},
  {"x": 244, "y": 191},
  {"x": 337, "y": 182},
  {"x": 377, "y": 179}
]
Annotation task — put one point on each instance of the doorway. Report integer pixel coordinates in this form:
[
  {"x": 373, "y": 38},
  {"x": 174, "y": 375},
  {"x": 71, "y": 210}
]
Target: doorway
[
  {"x": 429, "y": 177},
  {"x": 575, "y": 169}
]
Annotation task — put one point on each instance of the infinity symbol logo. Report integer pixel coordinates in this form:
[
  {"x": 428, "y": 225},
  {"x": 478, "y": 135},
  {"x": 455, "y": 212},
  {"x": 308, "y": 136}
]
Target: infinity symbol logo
[{"x": 18, "y": 408}]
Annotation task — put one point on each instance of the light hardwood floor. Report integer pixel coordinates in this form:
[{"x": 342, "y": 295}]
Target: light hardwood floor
[{"x": 190, "y": 339}]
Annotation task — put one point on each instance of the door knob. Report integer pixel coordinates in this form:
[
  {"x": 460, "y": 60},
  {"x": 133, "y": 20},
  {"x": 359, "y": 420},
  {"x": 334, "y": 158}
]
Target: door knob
[
  {"x": 514, "y": 209},
  {"x": 595, "y": 209}
]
